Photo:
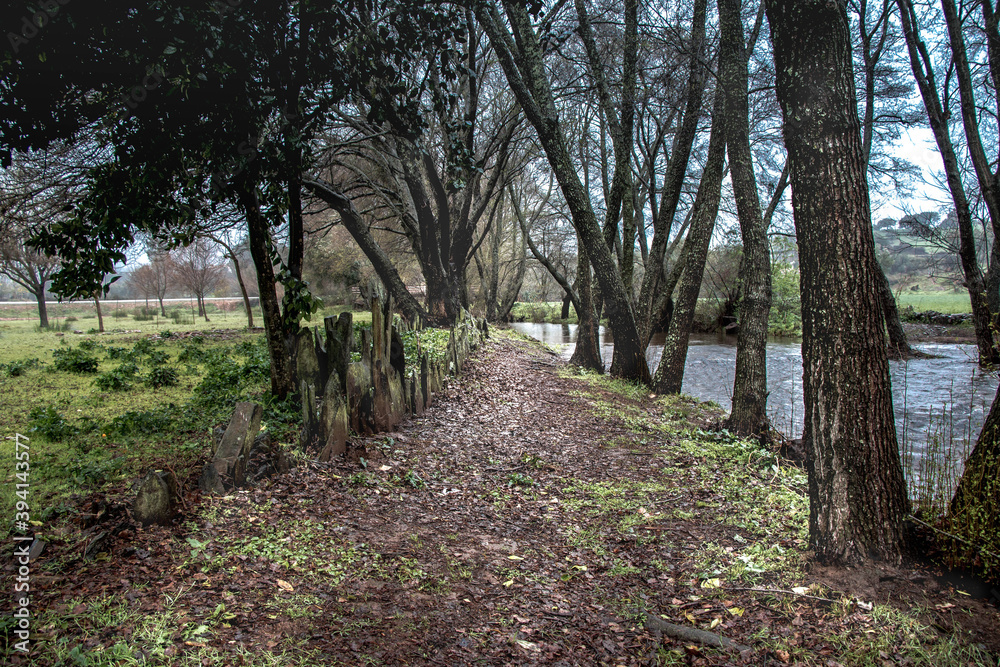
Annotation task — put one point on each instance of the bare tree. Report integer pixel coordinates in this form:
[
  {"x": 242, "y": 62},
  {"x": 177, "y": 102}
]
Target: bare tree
[
  {"x": 28, "y": 268},
  {"x": 198, "y": 269}
]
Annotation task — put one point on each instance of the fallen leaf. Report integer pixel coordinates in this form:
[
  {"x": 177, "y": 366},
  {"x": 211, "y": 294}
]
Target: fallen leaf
[{"x": 285, "y": 586}]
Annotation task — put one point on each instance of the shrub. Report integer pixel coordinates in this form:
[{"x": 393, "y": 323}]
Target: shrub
[
  {"x": 50, "y": 424},
  {"x": 162, "y": 376},
  {"x": 74, "y": 360},
  {"x": 120, "y": 379},
  {"x": 143, "y": 314},
  {"x": 18, "y": 367},
  {"x": 134, "y": 423}
]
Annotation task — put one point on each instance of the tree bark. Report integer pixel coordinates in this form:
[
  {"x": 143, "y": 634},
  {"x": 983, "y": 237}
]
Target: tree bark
[
  {"x": 587, "y": 353},
  {"x": 748, "y": 416},
  {"x": 283, "y": 381},
  {"x": 856, "y": 488},
  {"x": 100, "y": 315},
  {"x": 676, "y": 170},
  {"x": 670, "y": 373},
  {"x": 975, "y": 507},
  {"x": 387, "y": 273},
  {"x": 525, "y": 73},
  {"x": 923, "y": 72},
  {"x": 899, "y": 347},
  {"x": 43, "y": 313}
]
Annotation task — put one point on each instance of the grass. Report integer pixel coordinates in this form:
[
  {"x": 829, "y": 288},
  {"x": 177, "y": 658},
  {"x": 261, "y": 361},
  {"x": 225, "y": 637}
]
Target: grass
[
  {"x": 87, "y": 434},
  {"x": 745, "y": 488},
  {"x": 942, "y": 302}
]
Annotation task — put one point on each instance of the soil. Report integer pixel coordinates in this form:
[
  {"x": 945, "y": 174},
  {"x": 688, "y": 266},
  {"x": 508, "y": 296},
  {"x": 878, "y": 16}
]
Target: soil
[{"x": 456, "y": 540}]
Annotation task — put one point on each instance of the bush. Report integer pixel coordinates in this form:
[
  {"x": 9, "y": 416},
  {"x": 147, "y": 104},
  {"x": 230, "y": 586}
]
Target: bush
[
  {"x": 162, "y": 376},
  {"x": 120, "y": 379},
  {"x": 18, "y": 367},
  {"x": 50, "y": 424},
  {"x": 74, "y": 360},
  {"x": 143, "y": 314},
  {"x": 134, "y": 423}
]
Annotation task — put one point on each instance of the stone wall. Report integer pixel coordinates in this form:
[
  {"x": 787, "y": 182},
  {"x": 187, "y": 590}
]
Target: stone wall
[{"x": 376, "y": 393}]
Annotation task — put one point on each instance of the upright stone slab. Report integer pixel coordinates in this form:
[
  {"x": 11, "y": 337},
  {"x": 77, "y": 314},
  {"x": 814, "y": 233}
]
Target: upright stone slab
[
  {"x": 360, "y": 405},
  {"x": 306, "y": 362},
  {"x": 229, "y": 462},
  {"x": 339, "y": 341},
  {"x": 425, "y": 386},
  {"x": 397, "y": 355},
  {"x": 322, "y": 357},
  {"x": 310, "y": 432},
  {"x": 156, "y": 499},
  {"x": 333, "y": 420}
]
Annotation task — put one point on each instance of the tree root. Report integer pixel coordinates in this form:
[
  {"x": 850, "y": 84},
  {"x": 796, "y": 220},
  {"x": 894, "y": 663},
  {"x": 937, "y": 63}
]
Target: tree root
[{"x": 687, "y": 634}]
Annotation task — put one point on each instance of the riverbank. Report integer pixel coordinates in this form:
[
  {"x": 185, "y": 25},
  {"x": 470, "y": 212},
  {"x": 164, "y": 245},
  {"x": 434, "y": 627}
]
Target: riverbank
[
  {"x": 960, "y": 334},
  {"x": 532, "y": 516}
]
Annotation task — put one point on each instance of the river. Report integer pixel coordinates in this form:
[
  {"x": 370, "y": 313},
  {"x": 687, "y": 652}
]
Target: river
[{"x": 940, "y": 403}]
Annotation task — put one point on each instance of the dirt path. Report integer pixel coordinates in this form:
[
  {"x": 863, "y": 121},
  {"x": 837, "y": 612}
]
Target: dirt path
[{"x": 527, "y": 518}]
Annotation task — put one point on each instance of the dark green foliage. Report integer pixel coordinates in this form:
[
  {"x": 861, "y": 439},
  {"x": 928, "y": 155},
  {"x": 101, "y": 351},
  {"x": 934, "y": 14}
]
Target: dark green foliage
[
  {"x": 195, "y": 353},
  {"x": 142, "y": 347},
  {"x": 227, "y": 381},
  {"x": 89, "y": 345},
  {"x": 134, "y": 423},
  {"x": 119, "y": 379},
  {"x": 413, "y": 480},
  {"x": 88, "y": 472},
  {"x": 18, "y": 367},
  {"x": 74, "y": 360},
  {"x": 117, "y": 353},
  {"x": 48, "y": 423},
  {"x": 162, "y": 376}
]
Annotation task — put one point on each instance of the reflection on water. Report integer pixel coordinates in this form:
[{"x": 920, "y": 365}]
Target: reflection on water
[{"x": 946, "y": 397}]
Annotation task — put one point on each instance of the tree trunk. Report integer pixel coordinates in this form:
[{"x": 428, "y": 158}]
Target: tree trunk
[
  {"x": 588, "y": 339},
  {"x": 670, "y": 373},
  {"x": 282, "y": 375},
  {"x": 163, "y": 311},
  {"x": 676, "y": 170},
  {"x": 899, "y": 348},
  {"x": 100, "y": 315},
  {"x": 975, "y": 507},
  {"x": 923, "y": 72},
  {"x": 243, "y": 290},
  {"x": 748, "y": 416},
  {"x": 525, "y": 72},
  {"x": 383, "y": 266},
  {"x": 566, "y": 303},
  {"x": 43, "y": 313},
  {"x": 856, "y": 488}
]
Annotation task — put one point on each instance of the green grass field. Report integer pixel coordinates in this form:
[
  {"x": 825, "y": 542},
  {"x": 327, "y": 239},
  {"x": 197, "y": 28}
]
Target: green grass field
[
  {"x": 85, "y": 436},
  {"x": 942, "y": 302}
]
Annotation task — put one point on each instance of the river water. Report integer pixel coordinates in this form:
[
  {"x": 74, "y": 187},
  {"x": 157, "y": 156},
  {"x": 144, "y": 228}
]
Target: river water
[{"x": 940, "y": 403}]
